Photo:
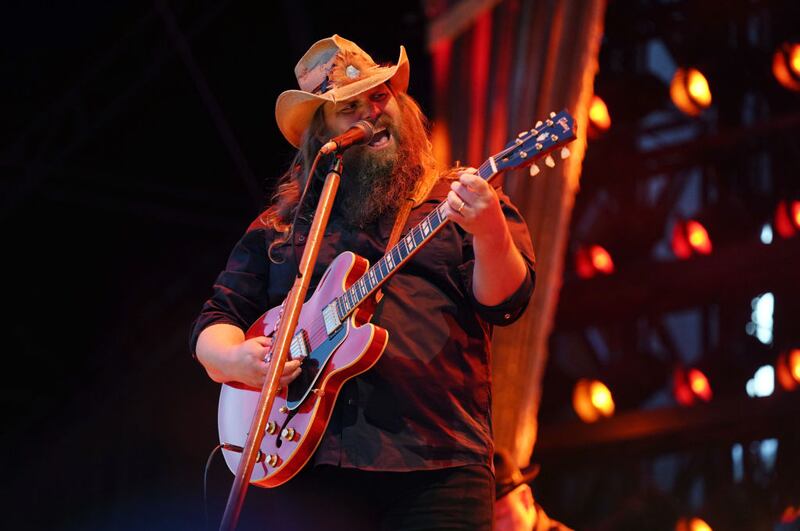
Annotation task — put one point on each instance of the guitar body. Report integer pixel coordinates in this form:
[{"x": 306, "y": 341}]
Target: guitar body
[{"x": 301, "y": 411}]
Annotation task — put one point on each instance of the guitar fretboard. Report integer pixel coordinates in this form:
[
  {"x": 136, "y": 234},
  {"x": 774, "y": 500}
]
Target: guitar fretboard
[{"x": 400, "y": 253}]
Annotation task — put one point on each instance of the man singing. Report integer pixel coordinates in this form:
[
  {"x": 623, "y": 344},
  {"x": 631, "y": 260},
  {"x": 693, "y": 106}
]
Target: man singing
[{"x": 409, "y": 444}]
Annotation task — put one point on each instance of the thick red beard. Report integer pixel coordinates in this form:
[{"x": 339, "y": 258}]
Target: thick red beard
[{"x": 375, "y": 183}]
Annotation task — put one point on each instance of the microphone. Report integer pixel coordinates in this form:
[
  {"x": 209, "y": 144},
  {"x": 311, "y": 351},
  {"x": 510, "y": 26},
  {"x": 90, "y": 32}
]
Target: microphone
[{"x": 359, "y": 133}]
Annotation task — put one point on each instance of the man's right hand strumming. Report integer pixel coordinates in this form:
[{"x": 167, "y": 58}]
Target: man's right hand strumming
[{"x": 228, "y": 357}]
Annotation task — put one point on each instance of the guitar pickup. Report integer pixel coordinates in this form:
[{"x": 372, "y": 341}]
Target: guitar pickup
[
  {"x": 299, "y": 347},
  {"x": 331, "y": 318}
]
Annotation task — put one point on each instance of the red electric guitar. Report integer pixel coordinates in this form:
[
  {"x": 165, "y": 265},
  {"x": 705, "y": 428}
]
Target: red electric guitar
[{"x": 334, "y": 336}]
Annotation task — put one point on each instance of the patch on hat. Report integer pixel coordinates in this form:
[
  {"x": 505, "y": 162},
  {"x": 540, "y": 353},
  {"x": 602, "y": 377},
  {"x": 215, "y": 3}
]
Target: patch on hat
[{"x": 349, "y": 67}]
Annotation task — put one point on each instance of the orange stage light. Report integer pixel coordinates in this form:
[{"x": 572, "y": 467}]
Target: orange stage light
[
  {"x": 592, "y": 260},
  {"x": 786, "y": 65},
  {"x": 692, "y": 524},
  {"x": 787, "y": 218},
  {"x": 787, "y": 369},
  {"x": 690, "y": 386},
  {"x": 601, "y": 260},
  {"x": 690, "y": 237},
  {"x": 592, "y": 400},
  {"x": 689, "y": 91},
  {"x": 599, "y": 119}
]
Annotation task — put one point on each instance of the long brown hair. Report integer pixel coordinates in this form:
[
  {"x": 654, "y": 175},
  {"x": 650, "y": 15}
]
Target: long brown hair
[{"x": 280, "y": 213}]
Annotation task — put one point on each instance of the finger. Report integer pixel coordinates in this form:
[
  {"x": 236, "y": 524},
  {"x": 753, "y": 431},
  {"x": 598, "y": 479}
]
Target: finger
[
  {"x": 286, "y": 380},
  {"x": 469, "y": 170},
  {"x": 261, "y": 340},
  {"x": 465, "y": 193},
  {"x": 456, "y": 204},
  {"x": 290, "y": 366},
  {"x": 473, "y": 181}
]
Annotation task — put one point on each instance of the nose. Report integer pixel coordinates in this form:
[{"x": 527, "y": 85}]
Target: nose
[{"x": 372, "y": 111}]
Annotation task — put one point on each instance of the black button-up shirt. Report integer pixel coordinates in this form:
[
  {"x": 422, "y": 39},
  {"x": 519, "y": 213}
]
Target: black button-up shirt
[{"x": 427, "y": 401}]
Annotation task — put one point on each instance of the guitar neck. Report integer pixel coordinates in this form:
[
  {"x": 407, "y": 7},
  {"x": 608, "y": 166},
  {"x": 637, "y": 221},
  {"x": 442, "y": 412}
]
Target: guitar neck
[
  {"x": 401, "y": 252},
  {"x": 521, "y": 151}
]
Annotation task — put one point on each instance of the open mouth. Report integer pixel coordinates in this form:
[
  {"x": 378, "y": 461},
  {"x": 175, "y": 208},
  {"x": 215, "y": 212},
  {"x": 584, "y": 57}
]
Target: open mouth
[{"x": 380, "y": 138}]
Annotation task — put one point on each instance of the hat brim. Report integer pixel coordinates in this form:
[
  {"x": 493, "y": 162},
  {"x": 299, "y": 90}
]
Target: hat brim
[
  {"x": 528, "y": 474},
  {"x": 295, "y": 109}
]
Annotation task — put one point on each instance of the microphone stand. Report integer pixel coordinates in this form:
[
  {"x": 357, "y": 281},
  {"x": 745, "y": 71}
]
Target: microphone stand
[{"x": 280, "y": 348}]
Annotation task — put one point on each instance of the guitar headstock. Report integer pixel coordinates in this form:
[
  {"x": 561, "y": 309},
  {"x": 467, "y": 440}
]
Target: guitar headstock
[{"x": 529, "y": 146}]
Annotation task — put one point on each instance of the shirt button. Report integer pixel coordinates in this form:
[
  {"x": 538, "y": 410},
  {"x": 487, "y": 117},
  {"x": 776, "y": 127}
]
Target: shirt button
[
  {"x": 507, "y": 316},
  {"x": 301, "y": 238}
]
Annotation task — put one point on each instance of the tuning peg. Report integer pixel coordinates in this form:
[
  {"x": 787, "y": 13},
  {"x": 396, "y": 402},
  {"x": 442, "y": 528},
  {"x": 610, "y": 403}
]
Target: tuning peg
[
  {"x": 565, "y": 153},
  {"x": 552, "y": 115},
  {"x": 534, "y": 169},
  {"x": 549, "y": 161},
  {"x": 538, "y": 125}
]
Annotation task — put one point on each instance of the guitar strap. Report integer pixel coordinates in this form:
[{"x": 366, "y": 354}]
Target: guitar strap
[{"x": 397, "y": 230}]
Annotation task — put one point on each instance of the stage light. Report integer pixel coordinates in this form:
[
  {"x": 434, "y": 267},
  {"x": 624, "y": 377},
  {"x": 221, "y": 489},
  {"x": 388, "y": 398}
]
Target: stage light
[
  {"x": 786, "y": 65},
  {"x": 599, "y": 119},
  {"x": 692, "y": 524},
  {"x": 762, "y": 383},
  {"x": 790, "y": 515},
  {"x": 689, "y": 91},
  {"x": 766, "y": 234},
  {"x": 593, "y": 260},
  {"x": 592, "y": 400},
  {"x": 787, "y": 218},
  {"x": 787, "y": 369},
  {"x": 690, "y": 237},
  {"x": 762, "y": 318},
  {"x": 690, "y": 386}
]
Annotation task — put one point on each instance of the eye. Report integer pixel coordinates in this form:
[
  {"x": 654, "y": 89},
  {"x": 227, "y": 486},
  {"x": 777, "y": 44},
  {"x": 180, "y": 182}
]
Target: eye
[
  {"x": 347, "y": 109},
  {"x": 379, "y": 96}
]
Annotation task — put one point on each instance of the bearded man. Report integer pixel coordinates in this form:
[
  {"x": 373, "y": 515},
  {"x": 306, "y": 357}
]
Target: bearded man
[{"x": 409, "y": 443}]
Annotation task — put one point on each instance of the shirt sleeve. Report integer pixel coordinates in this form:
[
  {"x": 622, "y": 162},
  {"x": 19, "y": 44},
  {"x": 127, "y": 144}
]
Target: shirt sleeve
[
  {"x": 239, "y": 293},
  {"x": 512, "y": 308}
]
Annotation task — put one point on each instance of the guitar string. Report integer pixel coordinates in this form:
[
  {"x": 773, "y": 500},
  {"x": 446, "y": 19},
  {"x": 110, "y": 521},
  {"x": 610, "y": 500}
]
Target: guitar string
[{"x": 317, "y": 332}]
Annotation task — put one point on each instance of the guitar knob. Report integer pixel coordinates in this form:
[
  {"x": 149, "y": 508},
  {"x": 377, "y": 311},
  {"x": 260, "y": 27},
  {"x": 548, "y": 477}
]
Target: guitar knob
[
  {"x": 288, "y": 434},
  {"x": 272, "y": 460},
  {"x": 272, "y": 427},
  {"x": 283, "y": 409}
]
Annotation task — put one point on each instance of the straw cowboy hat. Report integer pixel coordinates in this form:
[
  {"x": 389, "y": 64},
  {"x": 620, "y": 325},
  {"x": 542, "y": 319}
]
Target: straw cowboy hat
[{"x": 333, "y": 69}]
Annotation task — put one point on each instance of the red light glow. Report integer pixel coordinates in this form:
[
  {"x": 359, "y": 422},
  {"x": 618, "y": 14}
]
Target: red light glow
[
  {"x": 598, "y": 114},
  {"x": 787, "y": 218},
  {"x": 589, "y": 261},
  {"x": 601, "y": 260},
  {"x": 690, "y": 386},
  {"x": 699, "y": 385},
  {"x": 698, "y": 237},
  {"x": 690, "y": 237},
  {"x": 786, "y": 65},
  {"x": 787, "y": 369}
]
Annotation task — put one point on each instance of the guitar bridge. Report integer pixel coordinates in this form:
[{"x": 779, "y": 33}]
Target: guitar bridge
[{"x": 299, "y": 347}]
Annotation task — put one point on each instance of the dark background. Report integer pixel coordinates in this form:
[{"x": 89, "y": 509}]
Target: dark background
[
  {"x": 137, "y": 141},
  {"x": 129, "y": 168}
]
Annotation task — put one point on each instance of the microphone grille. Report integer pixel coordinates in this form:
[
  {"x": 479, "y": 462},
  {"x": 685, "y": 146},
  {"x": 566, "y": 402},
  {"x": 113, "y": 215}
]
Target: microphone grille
[{"x": 367, "y": 126}]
